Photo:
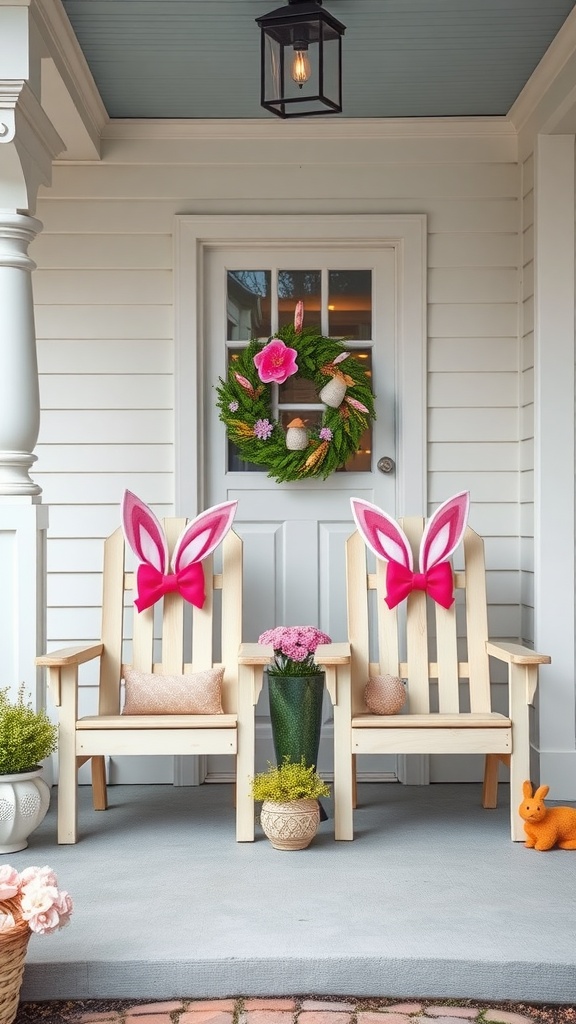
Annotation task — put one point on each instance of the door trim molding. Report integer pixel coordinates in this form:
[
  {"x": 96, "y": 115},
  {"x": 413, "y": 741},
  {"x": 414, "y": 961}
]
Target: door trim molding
[{"x": 405, "y": 233}]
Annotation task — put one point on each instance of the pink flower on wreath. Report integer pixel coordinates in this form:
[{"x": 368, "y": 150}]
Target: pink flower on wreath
[
  {"x": 326, "y": 434},
  {"x": 263, "y": 429},
  {"x": 294, "y": 648},
  {"x": 276, "y": 362},
  {"x": 233, "y": 406}
]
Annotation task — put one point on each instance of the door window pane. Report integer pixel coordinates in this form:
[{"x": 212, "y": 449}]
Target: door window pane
[
  {"x": 296, "y": 285},
  {"x": 350, "y": 304},
  {"x": 248, "y": 306}
]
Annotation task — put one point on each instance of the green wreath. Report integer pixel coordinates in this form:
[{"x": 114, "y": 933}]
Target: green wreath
[{"x": 244, "y": 401}]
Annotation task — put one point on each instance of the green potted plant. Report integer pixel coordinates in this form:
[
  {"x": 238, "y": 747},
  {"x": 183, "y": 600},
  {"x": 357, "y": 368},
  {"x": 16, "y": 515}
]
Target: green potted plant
[
  {"x": 289, "y": 793},
  {"x": 27, "y": 737}
]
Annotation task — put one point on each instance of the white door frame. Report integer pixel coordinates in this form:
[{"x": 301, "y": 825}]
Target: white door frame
[{"x": 406, "y": 234}]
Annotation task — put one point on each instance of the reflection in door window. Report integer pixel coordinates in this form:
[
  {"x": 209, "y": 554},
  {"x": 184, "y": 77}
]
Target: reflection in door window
[
  {"x": 295, "y": 286},
  {"x": 248, "y": 305},
  {"x": 350, "y": 304}
]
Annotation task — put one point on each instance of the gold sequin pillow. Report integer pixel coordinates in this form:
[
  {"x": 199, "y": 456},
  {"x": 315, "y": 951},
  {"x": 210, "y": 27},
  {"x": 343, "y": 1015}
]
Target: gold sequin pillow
[{"x": 148, "y": 693}]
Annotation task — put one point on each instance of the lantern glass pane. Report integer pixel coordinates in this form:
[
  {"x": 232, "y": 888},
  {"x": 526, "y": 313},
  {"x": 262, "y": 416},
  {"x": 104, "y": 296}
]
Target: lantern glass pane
[
  {"x": 272, "y": 70},
  {"x": 331, "y": 75}
]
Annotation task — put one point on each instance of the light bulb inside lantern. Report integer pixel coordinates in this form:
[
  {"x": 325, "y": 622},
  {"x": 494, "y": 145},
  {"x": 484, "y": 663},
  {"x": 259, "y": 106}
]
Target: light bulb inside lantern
[{"x": 301, "y": 69}]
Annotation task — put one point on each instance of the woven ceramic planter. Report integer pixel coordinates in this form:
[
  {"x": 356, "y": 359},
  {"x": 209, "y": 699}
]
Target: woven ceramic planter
[
  {"x": 292, "y": 825},
  {"x": 24, "y": 801}
]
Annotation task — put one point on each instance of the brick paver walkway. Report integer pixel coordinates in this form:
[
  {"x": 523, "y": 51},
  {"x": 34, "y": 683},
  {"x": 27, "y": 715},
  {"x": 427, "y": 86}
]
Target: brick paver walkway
[{"x": 295, "y": 1011}]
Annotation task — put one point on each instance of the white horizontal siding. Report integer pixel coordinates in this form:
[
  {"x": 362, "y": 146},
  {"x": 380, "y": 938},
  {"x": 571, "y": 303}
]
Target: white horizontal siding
[{"x": 104, "y": 317}]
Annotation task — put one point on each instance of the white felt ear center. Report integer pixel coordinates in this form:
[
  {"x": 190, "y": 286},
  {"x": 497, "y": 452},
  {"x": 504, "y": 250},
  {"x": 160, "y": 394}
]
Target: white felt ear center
[
  {"x": 192, "y": 551},
  {"x": 150, "y": 550},
  {"x": 391, "y": 548},
  {"x": 439, "y": 546}
]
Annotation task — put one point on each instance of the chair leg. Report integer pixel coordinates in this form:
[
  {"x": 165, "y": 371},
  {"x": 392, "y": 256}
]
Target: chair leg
[
  {"x": 99, "y": 792},
  {"x": 354, "y": 782},
  {"x": 490, "y": 787},
  {"x": 67, "y": 794}
]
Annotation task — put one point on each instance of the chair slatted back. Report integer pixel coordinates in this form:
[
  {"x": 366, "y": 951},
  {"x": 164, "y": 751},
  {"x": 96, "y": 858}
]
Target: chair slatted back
[
  {"x": 407, "y": 646},
  {"x": 163, "y": 627}
]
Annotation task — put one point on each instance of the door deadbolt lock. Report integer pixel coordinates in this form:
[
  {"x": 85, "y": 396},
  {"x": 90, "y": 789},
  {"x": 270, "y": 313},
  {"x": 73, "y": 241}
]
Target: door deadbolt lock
[{"x": 386, "y": 464}]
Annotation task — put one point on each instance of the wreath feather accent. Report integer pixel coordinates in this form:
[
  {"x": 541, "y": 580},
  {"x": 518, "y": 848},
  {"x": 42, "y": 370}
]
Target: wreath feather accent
[{"x": 245, "y": 404}]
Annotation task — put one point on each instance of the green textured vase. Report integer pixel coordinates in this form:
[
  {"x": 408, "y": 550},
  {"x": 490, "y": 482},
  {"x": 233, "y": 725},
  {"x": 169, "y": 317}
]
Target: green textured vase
[{"x": 296, "y": 715}]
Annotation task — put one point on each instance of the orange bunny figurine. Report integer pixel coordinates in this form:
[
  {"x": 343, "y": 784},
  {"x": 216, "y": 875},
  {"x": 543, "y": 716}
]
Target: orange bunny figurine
[{"x": 546, "y": 827}]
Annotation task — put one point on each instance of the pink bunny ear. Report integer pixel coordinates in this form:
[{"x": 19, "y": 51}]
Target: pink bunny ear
[
  {"x": 203, "y": 534},
  {"x": 144, "y": 533},
  {"x": 444, "y": 531},
  {"x": 381, "y": 533}
]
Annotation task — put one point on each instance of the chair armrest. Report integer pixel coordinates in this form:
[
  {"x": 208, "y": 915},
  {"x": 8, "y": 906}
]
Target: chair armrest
[
  {"x": 333, "y": 654},
  {"x": 70, "y": 656},
  {"x": 255, "y": 654},
  {"x": 516, "y": 654}
]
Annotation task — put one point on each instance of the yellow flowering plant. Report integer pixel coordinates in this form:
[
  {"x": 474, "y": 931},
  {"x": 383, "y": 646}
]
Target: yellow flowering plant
[{"x": 288, "y": 781}]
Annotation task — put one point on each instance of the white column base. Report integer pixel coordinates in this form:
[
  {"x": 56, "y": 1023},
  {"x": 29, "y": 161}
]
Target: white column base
[
  {"x": 14, "y": 473},
  {"x": 22, "y": 595}
]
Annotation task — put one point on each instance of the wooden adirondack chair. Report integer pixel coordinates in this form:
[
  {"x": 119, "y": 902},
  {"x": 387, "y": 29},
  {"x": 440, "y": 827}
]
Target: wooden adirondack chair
[
  {"x": 455, "y": 666},
  {"x": 159, "y": 645}
]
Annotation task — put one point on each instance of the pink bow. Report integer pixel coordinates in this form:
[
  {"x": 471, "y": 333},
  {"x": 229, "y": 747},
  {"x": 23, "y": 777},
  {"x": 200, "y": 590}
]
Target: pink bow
[
  {"x": 437, "y": 582},
  {"x": 152, "y": 585}
]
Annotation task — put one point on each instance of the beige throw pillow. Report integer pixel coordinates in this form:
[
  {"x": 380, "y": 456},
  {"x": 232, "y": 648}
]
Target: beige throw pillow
[{"x": 148, "y": 693}]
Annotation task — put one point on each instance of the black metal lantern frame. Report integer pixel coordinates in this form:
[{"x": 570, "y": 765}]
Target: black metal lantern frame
[{"x": 301, "y": 60}]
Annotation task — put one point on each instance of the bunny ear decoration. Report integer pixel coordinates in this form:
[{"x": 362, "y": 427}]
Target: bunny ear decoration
[
  {"x": 144, "y": 533},
  {"x": 203, "y": 534},
  {"x": 146, "y": 538},
  {"x": 444, "y": 531},
  {"x": 440, "y": 538},
  {"x": 381, "y": 533}
]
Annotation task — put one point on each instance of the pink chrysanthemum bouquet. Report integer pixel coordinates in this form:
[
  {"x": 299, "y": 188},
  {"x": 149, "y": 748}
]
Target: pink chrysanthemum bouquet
[{"x": 294, "y": 648}]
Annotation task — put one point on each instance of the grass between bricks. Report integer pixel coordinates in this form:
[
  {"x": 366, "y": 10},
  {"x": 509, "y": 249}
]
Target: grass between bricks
[{"x": 62, "y": 1012}]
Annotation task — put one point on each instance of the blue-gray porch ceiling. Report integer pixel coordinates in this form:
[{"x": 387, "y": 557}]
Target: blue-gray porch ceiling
[{"x": 401, "y": 58}]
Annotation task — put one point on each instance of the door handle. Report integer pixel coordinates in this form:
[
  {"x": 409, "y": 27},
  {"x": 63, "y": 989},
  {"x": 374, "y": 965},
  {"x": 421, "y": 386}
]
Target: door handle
[{"x": 386, "y": 464}]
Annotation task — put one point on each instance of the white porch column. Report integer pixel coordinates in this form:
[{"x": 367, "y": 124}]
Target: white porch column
[
  {"x": 28, "y": 144},
  {"x": 19, "y": 394},
  {"x": 554, "y": 392},
  {"x": 23, "y": 521}
]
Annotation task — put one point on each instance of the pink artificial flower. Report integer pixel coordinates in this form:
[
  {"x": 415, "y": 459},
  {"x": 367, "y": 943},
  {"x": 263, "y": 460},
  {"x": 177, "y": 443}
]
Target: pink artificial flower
[
  {"x": 263, "y": 429},
  {"x": 276, "y": 362},
  {"x": 298, "y": 316},
  {"x": 233, "y": 406},
  {"x": 44, "y": 921},
  {"x": 32, "y": 874},
  {"x": 326, "y": 434},
  {"x": 64, "y": 906},
  {"x": 9, "y": 882},
  {"x": 37, "y": 898}
]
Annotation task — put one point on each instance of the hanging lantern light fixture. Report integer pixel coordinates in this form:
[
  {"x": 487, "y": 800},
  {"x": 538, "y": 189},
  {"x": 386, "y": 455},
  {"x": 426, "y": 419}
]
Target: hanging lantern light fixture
[{"x": 301, "y": 60}]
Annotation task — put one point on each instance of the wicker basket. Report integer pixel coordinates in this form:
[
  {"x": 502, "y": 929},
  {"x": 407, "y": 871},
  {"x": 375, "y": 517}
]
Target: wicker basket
[{"x": 13, "y": 946}]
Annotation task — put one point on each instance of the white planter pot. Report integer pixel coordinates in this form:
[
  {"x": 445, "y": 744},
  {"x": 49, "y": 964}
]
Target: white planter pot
[
  {"x": 292, "y": 825},
  {"x": 24, "y": 801}
]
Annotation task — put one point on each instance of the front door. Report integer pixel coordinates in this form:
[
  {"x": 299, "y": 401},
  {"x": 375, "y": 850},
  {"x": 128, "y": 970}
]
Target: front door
[
  {"x": 363, "y": 279},
  {"x": 294, "y": 532}
]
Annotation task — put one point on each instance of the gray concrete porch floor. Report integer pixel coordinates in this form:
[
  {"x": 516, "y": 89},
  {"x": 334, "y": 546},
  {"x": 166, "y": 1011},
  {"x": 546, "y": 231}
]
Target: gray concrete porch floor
[{"x": 432, "y": 899}]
